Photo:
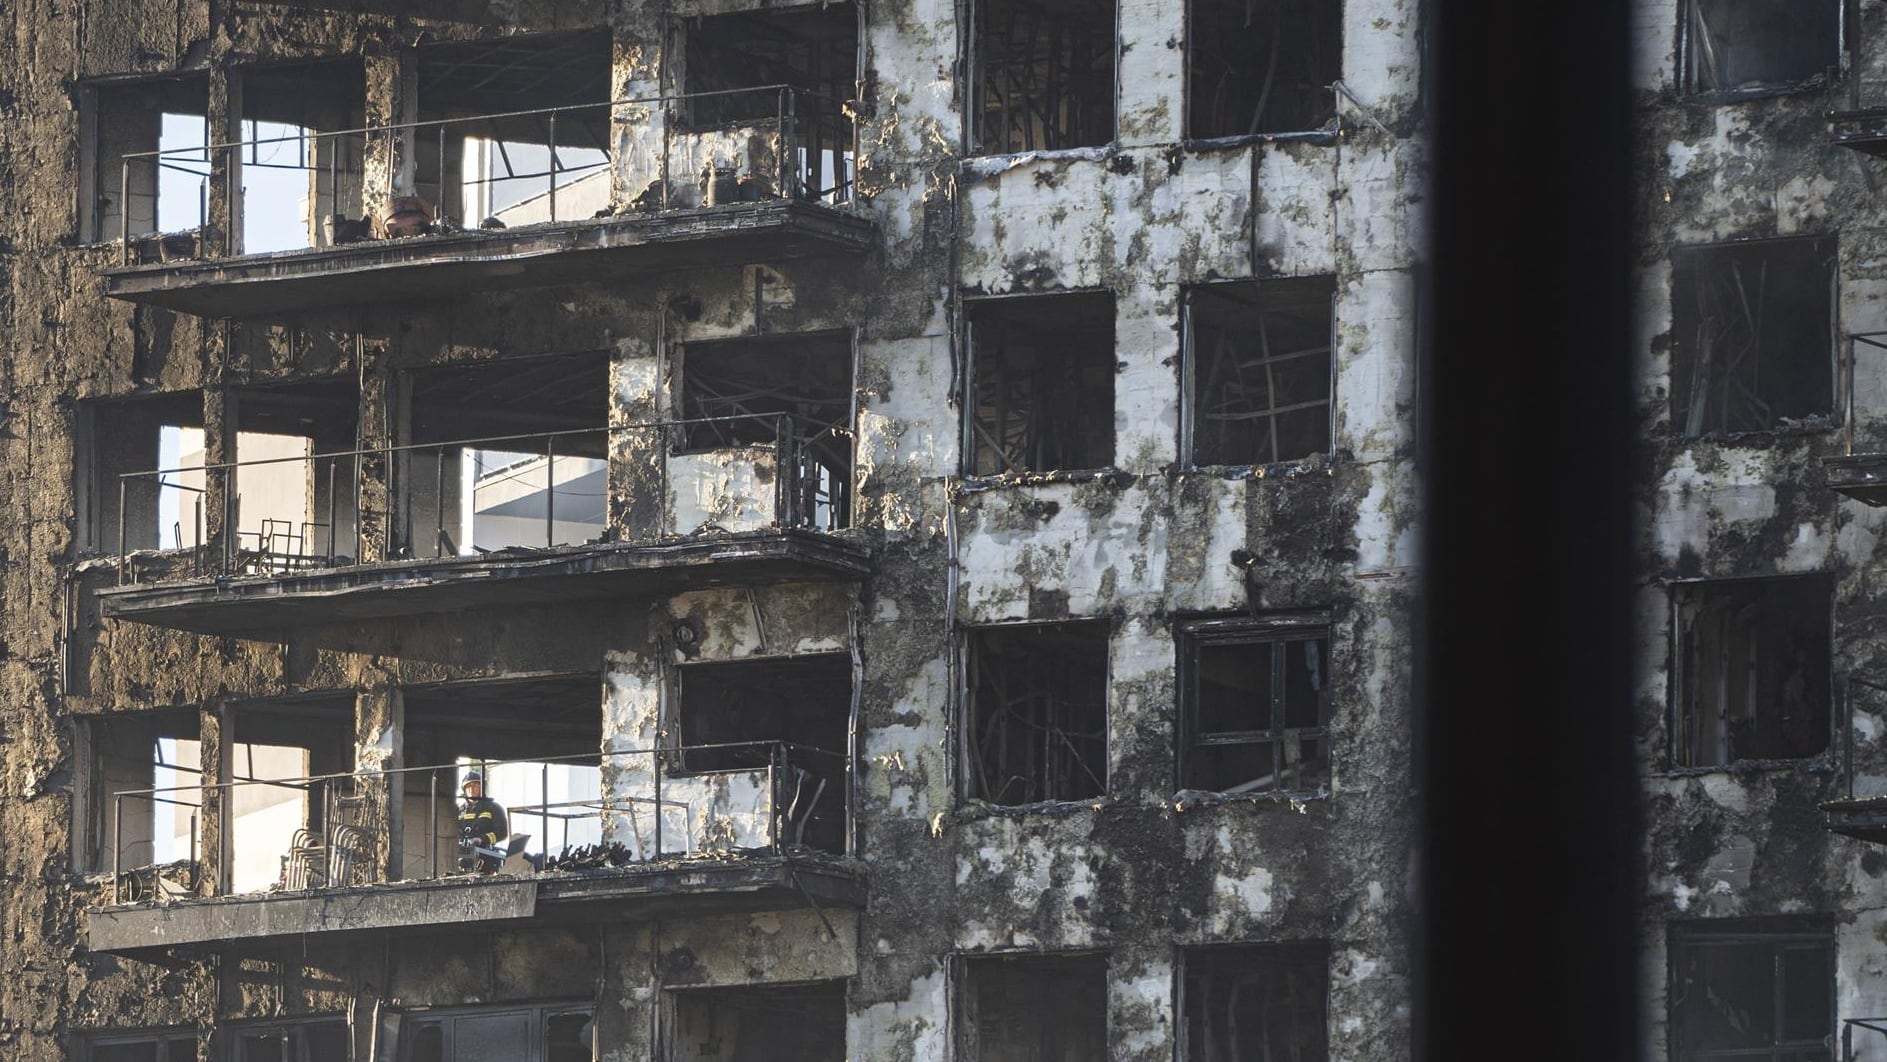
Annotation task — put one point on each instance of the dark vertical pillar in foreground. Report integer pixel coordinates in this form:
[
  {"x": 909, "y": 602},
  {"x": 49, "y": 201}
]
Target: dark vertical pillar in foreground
[{"x": 1524, "y": 734}]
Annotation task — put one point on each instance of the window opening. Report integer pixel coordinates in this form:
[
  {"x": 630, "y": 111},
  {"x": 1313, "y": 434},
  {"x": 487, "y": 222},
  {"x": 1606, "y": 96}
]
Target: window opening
[
  {"x": 1753, "y": 330},
  {"x": 286, "y": 830},
  {"x": 295, "y": 480},
  {"x": 1262, "y": 67},
  {"x": 757, "y": 409},
  {"x": 557, "y": 1033},
  {"x": 523, "y": 129},
  {"x": 1259, "y": 359},
  {"x": 1042, "y": 382},
  {"x": 1256, "y": 1001},
  {"x": 786, "y": 714},
  {"x": 1038, "y": 712},
  {"x": 137, "y": 193},
  {"x": 1752, "y": 676},
  {"x": 508, "y": 453},
  {"x": 1757, "y": 46},
  {"x": 130, "y": 471},
  {"x": 1044, "y": 75},
  {"x": 313, "y": 1040},
  {"x": 1256, "y": 706},
  {"x": 759, "y": 1023},
  {"x": 127, "y": 755},
  {"x": 176, "y": 1046},
  {"x": 1035, "y": 1008},
  {"x": 537, "y": 742},
  {"x": 301, "y": 168},
  {"x": 1752, "y": 989}
]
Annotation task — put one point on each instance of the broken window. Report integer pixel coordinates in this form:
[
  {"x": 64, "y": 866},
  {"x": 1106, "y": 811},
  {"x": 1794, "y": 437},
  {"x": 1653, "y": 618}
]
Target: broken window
[
  {"x": 1753, "y": 46},
  {"x": 1752, "y": 675},
  {"x": 1752, "y": 334},
  {"x": 285, "y": 829},
  {"x": 301, "y": 164},
  {"x": 1262, "y": 66},
  {"x": 1037, "y": 712},
  {"x": 507, "y": 453},
  {"x": 131, "y": 473},
  {"x": 1255, "y": 1001},
  {"x": 758, "y": 1023},
  {"x": 1043, "y": 75},
  {"x": 138, "y": 790},
  {"x": 554, "y": 1033},
  {"x": 310, "y": 1040},
  {"x": 1757, "y": 988},
  {"x": 545, "y": 159},
  {"x": 536, "y": 739},
  {"x": 1255, "y": 705},
  {"x": 791, "y": 713},
  {"x": 175, "y": 1045},
  {"x": 1042, "y": 383},
  {"x": 759, "y": 82},
  {"x": 145, "y": 149},
  {"x": 1258, "y": 361},
  {"x": 294, "y": 484},
  {"x": 1035, "y": 1008},
  {"x": 760, "y": 410}
]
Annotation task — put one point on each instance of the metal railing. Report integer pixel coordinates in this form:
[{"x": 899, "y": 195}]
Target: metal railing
[
  {"x": 731, "y": 798},
  {"x": 732, "y": 473},
  {"x": 1877, "y": 340},
  {"x": 1848, "y": 1025},
  {"x": 766, "y": 142}
]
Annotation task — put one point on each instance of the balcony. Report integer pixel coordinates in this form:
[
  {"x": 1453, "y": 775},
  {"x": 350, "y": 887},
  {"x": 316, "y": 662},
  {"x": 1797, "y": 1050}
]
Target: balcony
[
  {"x": 1861, "y": 476},
  {"x": 508, "y": 199},
  {"x": 700, "y": 829},
  {"x": 506, "y": 520}
]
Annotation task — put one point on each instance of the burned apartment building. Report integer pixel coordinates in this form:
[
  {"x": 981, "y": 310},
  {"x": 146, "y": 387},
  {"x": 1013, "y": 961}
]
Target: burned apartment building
[{"x": 909, "y": 504}]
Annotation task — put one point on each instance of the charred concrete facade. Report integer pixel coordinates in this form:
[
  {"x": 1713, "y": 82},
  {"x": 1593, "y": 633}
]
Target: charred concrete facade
[{"x": 965, "y": 592}]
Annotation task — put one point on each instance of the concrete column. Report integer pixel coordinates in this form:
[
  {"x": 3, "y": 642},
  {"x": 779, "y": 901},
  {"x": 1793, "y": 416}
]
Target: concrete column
[
  {"x": 379, "y": 730},
  {"x": 638, "y": 483},
  {"x": 223, "y": 224},
  {"x": 212, "y": 824},
  {"x": 626, "y": 1027},
  {"x": 392, "y": 100},
  {"x": 221, "y": 518},
  {"x": 637, "y": 128},
  {"x": 378, "y": 509}
]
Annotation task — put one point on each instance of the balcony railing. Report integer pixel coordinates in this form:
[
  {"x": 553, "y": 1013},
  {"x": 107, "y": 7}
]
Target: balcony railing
[
  {"x": 294, "y": 515},
  {"x": 774, "y": 142},
  {"x": 617, "y": 810}
]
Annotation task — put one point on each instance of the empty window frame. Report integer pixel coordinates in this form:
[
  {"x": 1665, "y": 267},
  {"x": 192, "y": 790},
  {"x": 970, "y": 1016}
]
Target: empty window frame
[
  {"x": 1259, "y": 372},
  {"x": 122, "y": 757},
  {"x": 1254, "y": 705},
  {"x": 758, "y": 1023},
  {"x": 475, "y": 168},
  {"x": 1255, "y": 1001},
  {"x": 309, "y": 1040},
  {"x": 1034, "y": 1008},
  {"x": 1037, "y": 720},
  {"x": 138, "y": 472},
  {"x": 150, "y": 1046},
  {"x": 553, "y": 1033},
  {"x": 1753, "y": 47},
  {"x": 1753, "y": 334},
  {"x": 129, "y": 190},
  {"x": 784, "y": 401},
  {"x": 1262, "y": 67},
  {"x": 1752, "y": 669},
  {"x": 1043, "y": 75},
  {"x": 294, "y": 482},
  {"x": 277, "y": 817},
  {"x": 1759, "y": 988},
  {"x": 301, "y": 169},
  {"x": 509, "y": 452},
  {"x": 1041, "y": 383}
]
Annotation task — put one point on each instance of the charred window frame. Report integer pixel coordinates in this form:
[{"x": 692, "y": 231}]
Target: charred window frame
[
  {"x": 779, "y": 1023},
  {"x": 1736, "y": 49},
  {"x": 1040, "y": 383},
  {"x": 1043, "y": 74},
  {"x": 554, "y": 1032},
  {"x": 1263, "y": 67},
  {"x": 1254, "y": 704},
  {"x": 1042, "y": 1008},
  {"x": 1753, "y": 330},
  {"x": 1259, "y": 375},
  {"x": 730, "y": 58},
  {"x": 1035, "y": 719},
  {"x": 323, "y": 1039},
  {"x": 1249, "y": 1001},
  {"x": 150, "y": 1045},
  {"x": 167, "y": 195},
  {"x": 1752, "y": 670},
  {"x": 1755, "y": 988}
]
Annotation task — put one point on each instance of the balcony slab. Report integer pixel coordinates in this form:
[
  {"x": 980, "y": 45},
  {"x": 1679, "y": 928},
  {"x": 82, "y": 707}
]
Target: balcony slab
[
  {"x": 266, "y": 608},
  {"x": 610, "y": 248},
  {"x": 1863, "y": 130},
  {"x": 1862, "y": 477}
]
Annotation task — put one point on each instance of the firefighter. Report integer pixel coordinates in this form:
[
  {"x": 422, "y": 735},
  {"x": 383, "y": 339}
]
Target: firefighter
[{"x": 482, "y": 824}]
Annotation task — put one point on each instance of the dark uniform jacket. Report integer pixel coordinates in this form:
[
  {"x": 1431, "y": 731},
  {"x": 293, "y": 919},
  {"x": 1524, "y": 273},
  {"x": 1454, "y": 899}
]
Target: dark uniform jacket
[{"x": 484, "y": 822}]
